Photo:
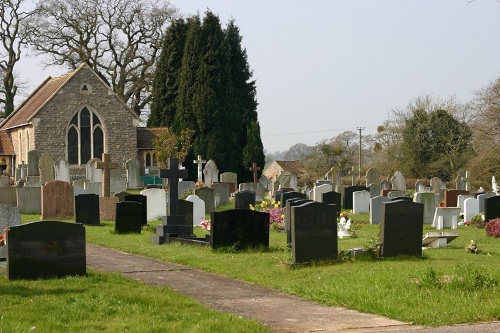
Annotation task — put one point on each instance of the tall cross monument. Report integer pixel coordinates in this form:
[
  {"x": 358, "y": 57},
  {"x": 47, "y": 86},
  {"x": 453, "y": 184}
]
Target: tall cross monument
[
  {"x": 254, "y": 168},
  {"x": 200, "y": 162},
  {"x": 106, "y": 165}
]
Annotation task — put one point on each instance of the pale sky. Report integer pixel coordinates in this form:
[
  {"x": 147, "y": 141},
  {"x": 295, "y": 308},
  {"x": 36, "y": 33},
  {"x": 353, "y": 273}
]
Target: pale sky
[{"x": 323, "y": 67}]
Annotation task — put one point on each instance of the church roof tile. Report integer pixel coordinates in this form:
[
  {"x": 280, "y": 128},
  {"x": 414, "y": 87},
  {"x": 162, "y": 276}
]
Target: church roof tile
[
  {"x": 6, "y": 146},
  {"x": 146, "y": 135}
]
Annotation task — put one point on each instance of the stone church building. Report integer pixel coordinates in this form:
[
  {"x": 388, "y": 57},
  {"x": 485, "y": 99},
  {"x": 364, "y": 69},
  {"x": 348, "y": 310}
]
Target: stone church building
[{"x": 75, "y": 117}]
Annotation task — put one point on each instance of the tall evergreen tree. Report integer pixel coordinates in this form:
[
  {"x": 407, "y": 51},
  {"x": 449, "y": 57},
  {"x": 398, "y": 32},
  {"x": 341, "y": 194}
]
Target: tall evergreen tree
[{"x": 166, "y": 79}]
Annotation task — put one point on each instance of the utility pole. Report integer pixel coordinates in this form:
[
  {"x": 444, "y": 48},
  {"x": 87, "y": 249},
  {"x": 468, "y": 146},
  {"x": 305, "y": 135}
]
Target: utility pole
[{"x": 359, "y": 170}]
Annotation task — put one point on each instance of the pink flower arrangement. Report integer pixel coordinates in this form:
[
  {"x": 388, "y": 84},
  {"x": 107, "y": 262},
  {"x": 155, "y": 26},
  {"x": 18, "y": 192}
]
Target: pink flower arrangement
[
  {"x": 3, "y": 237},
  {"x": 205, "y": 225}
]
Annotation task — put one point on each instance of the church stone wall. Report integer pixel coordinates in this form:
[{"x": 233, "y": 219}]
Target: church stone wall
[{"x": 117, "y": 120}]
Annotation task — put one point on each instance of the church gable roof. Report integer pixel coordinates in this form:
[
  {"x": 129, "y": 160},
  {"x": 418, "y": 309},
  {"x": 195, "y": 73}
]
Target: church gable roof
[
  {"x": 287, "y": 167},
  {"x": 6, "y": 146},
  {"x": 146, "y": 135}
]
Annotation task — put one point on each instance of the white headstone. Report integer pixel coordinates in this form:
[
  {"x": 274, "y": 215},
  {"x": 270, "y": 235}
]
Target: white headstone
[
  {"x": 133, "y": 167},
  {"x": 430, "y": 200},
  {"x": 398, "y": 181},
  {"x": 211, "y": 173},
  {"x": 198, "y": 209},
  {"x": 376, "y": 208},
  {"x": 94, "y": 175},
  {"x": 61, "y": 170},
  {"x": 461, "y": 199},
  {"x": 446, "y": 217},
  {"x": 471, "y": 208},
  {"x": 361, "y": 202},
  {"x": 319, "y": 190},
  {"x": 156, "y": 202}
]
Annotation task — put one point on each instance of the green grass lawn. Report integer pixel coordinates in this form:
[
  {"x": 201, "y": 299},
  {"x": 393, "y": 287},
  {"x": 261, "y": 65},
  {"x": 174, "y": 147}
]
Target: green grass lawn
[{"x": 446, "y": 286}]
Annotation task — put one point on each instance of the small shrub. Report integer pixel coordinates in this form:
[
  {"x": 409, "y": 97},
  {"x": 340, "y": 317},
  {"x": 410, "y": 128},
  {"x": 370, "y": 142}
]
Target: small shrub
[
  {"x": 472, "y": 247},
  {"x": 477, "y": 220},
  {"x": 493, "y": 228}
]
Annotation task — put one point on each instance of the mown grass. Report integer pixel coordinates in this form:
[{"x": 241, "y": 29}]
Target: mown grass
[
  {"x": 107, "y": 303},
  {"x": 441, "y": 288}
]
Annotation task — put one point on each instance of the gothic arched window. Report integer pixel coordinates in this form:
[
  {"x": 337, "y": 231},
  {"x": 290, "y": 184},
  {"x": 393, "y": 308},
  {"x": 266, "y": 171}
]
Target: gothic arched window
[{"x": 85, "y": 137}]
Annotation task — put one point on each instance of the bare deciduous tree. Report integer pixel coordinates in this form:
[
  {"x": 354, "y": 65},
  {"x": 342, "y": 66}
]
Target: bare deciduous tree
[
  {"x": 12, "y": 37},
  {"x": 120, "y": 39}
]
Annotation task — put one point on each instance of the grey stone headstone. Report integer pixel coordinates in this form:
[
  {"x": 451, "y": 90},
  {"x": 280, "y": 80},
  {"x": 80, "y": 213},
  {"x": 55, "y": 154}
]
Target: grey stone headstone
[
  {"x": 29, "y": 200},
  {"x": 314, "y": 232},
  {"x": 156, "y": 203},
  {"x": 255, "y": 187},
  {"x": 92, "y": 173},
  {"x": 319, "y": 190},
  {"x": 221, "y": 190},
  {"x": 229, "y": 177},
  {"x": 9, "y": 217},
  {"x": 349, "y": 190},
  {"x": 430, "y": 200},
  {"x": 207, "y": 195},
  {"x": 471, "y": 208},
  {"x": 372, "y": 177},
  {"x": 129, "y": 217},
  {"x": 446, "y": 217},
  {"x": 117, "y": 185},
  {"x": 243, "y": 199},
  {"x": 61, "y": 171},
  {"x": 401, "y": 228},
  {"x": 384, "y": 185},
  {"x": 420, "y": 186},
  {"x": 46, "y": 168},
  {"x": 461, "y": 200},
  {"x": 133, "y": 167},
  {"x": 376, "y": 208},
  {"x": 87, "y": 209},
  {"x": 396, "y": 194},
  {"x": 264, "y": 182},
  {"x": 374, "y": 190},
  {"x": 93, "y": 187},
  {"x": 242, "y": 228},
  {"x": 29, "y": 257},
  {"x": 336, "y": 177},
  {"x": 8, "y": 196},
  {"x": 361, "y": 202},
  {"x": 398, "y": 181},
  {"x": 4, "y": 181},
  {"x": 210, "y": 173},
  {"x": 186, "y": 185},
  {"x": 438, "y": 186},
  {"x": 460, "y": 182},
  {"x": 198, "y": 209},
  {"x": 33, "y": 158}
]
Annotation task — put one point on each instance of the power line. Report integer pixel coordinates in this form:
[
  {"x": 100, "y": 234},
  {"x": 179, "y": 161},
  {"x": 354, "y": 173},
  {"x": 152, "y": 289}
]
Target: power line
[{"x": 310, "y": 132}]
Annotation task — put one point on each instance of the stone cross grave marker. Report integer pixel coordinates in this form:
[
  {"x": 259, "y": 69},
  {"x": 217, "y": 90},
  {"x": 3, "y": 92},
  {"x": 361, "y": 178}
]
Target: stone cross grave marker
[
  {"x": 173, "y": 174},
  {"x": 106, "y": 165},
  {"x": 254, "y": 168},
  {"x": 200, "y": 162}
]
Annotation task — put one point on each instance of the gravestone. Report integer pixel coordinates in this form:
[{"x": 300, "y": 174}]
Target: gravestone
[
  {"x": 285, "y": 196},
  {"x": 372, "y": 177},
  {"x": 288, "y": 212},
  {"x": 117, "y": 185},
  {"x": 257, "y": 188},
  {"x": 211, "y": 173},
  {"x": 200, "y": 161},
  {"x": 471, "y": 208},
  {"x": 450, "y": 197},
  {"x": 184, "y": 227},
  {"x": 401, "y": 229},
  {"x": 243, "y": 199},
  {"x": 446, "y": 217},
  {"x": 175, "y": 219},
  {"x": 482, "y": 199},
  {"x": 93, "y": 188},
  {"x": 336, "y": 177},
  {"x": 185, "y": 185},
  {"x": 398, "y": 181},
  {"x": 156, "y": 203},
  {"x": 254, "y": 168},
  {"x": 221, "y": 190},
  {"x": 61, "y": 171},
  {"x": 29, "y": 200},
  {"x": 430, "y": 200},
  {"x": 9, "y": 217},
  {"x": 231, "y": 178},
  {"x": 320, "y": 182},
  {"x": 143, "y": 200},
  {"x": 376, "y": 204},
  {"x": 57, "y": 200},
  {"x": 241, "y": 228},
  {"x": 460, "y": 182},
  {"x": 207, "y": 195},
  {"x": 33, "y": 158},
  {"x": 4, "y": 181},
  {"x": 46, "y": 168},
  {"x": 46, "y": 249},
  {"x": 106, "y": 166},
  {"x": 264, "y": 182},
  {"x": 121, "y": 195},
  {"x": 361, "y": 202},
  {"x": 396, "y": 194},
  {"x": 461, "y": 200},
  {"x": 87, "y": 209},
  {"x": 349, "y": 190},
  {"x": 319, "y": 190},
  {"x": 133, "y": 167},
  {"x": 91, "y": 172},
  {"x": 314, "y": 232},
  {"x": 384, "y": 185},
  {"x": 374, "y": 190},
  {"x": 8, "y": 196},
  {"x": 420, "y": 186},
  {"x": 198, "y": 209},
  {"x": 333, "y": 198},
  {"x": 129, "y": 217},
  {"x": 491, "y": 208},
  {"x": 437, "y": 186},
  {"x": 107, "y": 208}
]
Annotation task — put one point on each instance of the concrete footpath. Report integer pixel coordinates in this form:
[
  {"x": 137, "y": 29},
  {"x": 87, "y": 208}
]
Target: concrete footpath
[{"x": 279, "y": 311}]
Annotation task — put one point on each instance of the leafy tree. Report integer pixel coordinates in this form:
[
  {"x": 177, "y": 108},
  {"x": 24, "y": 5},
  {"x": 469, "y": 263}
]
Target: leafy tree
[
  {"x": 120, "y": 39},
  {"x": 12, "y": 37},
  {"x": 167, "y": 144},
  {"x": 297, "y": 152},
  {"x": 165, "y": 83}
]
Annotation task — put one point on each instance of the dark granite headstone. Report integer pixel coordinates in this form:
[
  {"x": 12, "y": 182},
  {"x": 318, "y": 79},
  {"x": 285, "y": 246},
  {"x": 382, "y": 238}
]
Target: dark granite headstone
[
  {"x": 129, "y": 216},
  {"x": 144, "y": 201},
  {"x": 243, "y": 199},
  {"x": 207, "y": 195},
  {"x": 288, "y": 211},
  {"x": 348, "y": 191},
  {"x": 242, "y": 228},
  {"x": 402, "y": 198},
  {"x": 121, "y": 195},
  {"x": 314, "y": 232},
  {"x": 46, "y": 249},
  {"x": 491, "y": 208},
  {"x": 451, "y": 196},
  {"x": 401, "y": 228},
  {"x": 87, "y": 209},
  {"x": 278, "y": 193},
  {"x": 332, "y": 198},
  {"x": 290, "y": 195}
]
